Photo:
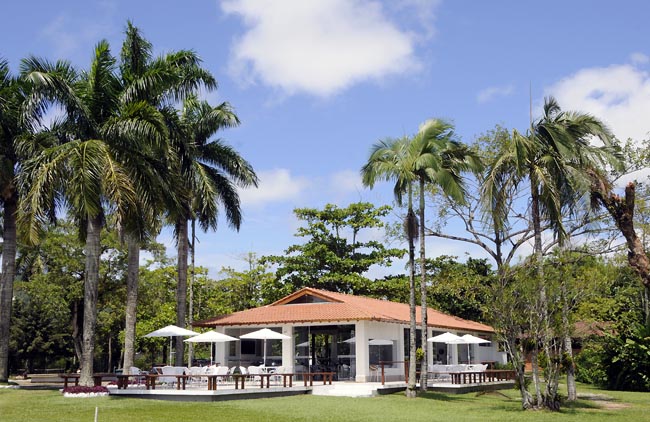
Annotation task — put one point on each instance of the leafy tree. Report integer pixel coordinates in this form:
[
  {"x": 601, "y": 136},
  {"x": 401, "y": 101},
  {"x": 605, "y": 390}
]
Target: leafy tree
[
  {"x": 52, "y": 287},
  {"x": 335, "y": 256},
  {"x": 91, "y": 169},
  {"x": 557, "y": 162},
  {"x": 247, "y": 289},
  {"x": 209, "y": 172},
  {"x": 439, "y": 159},
  {"x": 393, "y": 160},
  {"x": 13, "y": 125},
  {"x": 459, "y": 289},
  {"x": 157, "y": 82}
]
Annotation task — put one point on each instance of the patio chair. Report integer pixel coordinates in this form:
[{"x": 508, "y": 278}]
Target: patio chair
[
  {"x": 252, "y": 372},
  {"x": 134, "y": 370},
  {"x": 220, "y": 370},
  {"x": 196, "y": 372},
  {"x": 277, "y": 371},
  {"x": 168, "y": 370}
]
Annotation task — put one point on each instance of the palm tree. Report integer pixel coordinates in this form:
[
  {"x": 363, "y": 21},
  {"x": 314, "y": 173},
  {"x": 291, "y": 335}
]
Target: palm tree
[
  {"x": 439, "y": 161},
  {"x": 432, "y": 156},
  {"x": 392, "y": 160},
  {"x": 157, "y": 82},
  {"x": 209, "y": 172},
  {"x": 557, "y": 160},
  {"x": 94, "y": 170},
  {"x": 12, "y": 125}
]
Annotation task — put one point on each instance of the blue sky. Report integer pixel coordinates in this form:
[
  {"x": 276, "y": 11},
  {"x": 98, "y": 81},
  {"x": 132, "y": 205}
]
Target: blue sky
[{"x": 317, "y": 82}]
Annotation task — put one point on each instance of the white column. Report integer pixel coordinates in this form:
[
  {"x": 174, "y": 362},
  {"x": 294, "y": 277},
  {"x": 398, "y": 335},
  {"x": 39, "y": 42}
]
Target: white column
[
  {"x": 221, "y": 348},
  {"x": 453, "y": 353},
  {"x": 361, "y": 348},
  {"x": 288, "y": 348}
]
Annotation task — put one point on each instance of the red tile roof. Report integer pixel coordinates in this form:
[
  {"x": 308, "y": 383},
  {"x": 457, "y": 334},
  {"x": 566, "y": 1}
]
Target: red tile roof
[{"x": 338, "y": 307}]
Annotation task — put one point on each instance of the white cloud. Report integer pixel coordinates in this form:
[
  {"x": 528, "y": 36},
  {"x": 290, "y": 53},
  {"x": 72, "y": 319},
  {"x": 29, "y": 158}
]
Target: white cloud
[
  {"x": 275, "y": 185},
  {"x": 618, "y": 94},
  {"x": 346, "y": 181},
  {"x": 317, "y": 46},
  {"x": 73, "y": 40},
  {"x": 490, "y": 93},
  {"x": 639, "y": 58}
]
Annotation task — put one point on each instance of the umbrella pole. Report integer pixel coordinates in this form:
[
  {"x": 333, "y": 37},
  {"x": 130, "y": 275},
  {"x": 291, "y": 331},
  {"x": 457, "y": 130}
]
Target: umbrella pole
[
  {"x": 170, "y": 352},
  {"x": 264, "y": 362}
]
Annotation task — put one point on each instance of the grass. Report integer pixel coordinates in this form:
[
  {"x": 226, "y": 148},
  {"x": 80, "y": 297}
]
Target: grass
[{"x": 51, "y": 406}]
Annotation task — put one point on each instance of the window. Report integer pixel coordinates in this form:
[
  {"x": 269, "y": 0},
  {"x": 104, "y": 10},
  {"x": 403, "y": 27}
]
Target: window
[{"x": 247, "y": 347}]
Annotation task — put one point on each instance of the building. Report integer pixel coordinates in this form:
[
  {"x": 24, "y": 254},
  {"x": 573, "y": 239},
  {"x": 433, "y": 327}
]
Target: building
[{"x": 345, "y": 334}]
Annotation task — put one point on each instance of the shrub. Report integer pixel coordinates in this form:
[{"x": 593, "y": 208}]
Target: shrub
[
  {"x": 589, "y": 364},
  {"x": 626, "y": 359}
]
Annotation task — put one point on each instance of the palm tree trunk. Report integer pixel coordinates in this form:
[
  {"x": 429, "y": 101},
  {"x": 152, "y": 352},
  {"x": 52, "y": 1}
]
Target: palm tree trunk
[
  {"x": 190, "y": 317},
  {"x": 410, "y": 222},
  {"x": 181, "y": 287},
  {"x": 7, "y": 282},
  {"x": 537, "y": 251},
  {"x": 423, "y": 293},
  {"x": 572, "y": 394},
  {"x": 91, "y": 283},
  {"x": 76, "y": 322},
  {"x": 133, "y": 268}
]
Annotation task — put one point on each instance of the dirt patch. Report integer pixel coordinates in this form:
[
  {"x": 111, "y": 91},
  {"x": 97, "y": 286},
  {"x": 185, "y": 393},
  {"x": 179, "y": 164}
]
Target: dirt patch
[
  {"x": 611, "y": 405},
  {"x": 604, "y": 401}
]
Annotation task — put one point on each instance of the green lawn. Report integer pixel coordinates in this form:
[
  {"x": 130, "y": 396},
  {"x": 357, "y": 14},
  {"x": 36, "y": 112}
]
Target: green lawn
[{"x": 46, "y": 406}]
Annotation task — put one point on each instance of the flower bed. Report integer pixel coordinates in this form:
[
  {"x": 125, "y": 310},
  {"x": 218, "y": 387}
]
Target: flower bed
[{"x": 82, "y": 391}]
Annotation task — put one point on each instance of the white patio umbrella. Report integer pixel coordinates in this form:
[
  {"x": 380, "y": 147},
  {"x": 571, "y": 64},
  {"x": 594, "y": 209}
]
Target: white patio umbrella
[
  {"x": 447, "y": 338},
  {"x": 265, "y": 334},
  {"x": 380, "y": 342},
  {"x": 171, "y": 331},
  {"x": 211, "y": 337},
  {"x": 470, "y": 339}
]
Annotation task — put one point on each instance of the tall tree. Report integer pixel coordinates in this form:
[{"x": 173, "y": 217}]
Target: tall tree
[
  {"x": 209, "y": 172},
  {"x": 91, "y": 170},
  {"x": 333, "y": 256},
  {"x": 13, "y": 93},
  {"x": 157, "y": 82},
  {"x": 439, "y": 161},
  {"x": 556, "y": 160},
  {"x": 392, "y": 160},
  {"x": 622, "y": 211}
]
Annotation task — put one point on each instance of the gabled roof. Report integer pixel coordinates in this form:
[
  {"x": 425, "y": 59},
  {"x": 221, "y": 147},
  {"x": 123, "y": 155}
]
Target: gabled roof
[{"x": 335, "y": 307}]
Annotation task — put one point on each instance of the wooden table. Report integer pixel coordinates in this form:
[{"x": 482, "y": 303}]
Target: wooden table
[
  {"x": 123, "y": 379},
  {"x": 97, "y": 379},
  {"x": 327, "y": 377},
  {"x": 489, "y": 375},
  {"x": 239, "y": 379}
]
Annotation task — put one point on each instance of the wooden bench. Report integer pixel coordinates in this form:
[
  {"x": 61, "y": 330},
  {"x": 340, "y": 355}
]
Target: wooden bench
[
  {"x": 327, "y": 377},
  {"x": 123, "y": 379},
  {"x": 97, "y": 379},
  {"x": 269, "y": 375},
  {"x": 181, "y": 380},
  {"x": 489, "y": 375}
]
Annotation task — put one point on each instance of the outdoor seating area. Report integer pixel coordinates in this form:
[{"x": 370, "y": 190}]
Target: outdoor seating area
[
  {"x": 214, "y": 377},
  {"x": 442, "y": 373}
]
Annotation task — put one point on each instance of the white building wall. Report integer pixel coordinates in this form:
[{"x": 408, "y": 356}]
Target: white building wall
[
  {"x": 220, "y": 349},
  {"x": 361, "y": 351},
  {"x": 288, "y": 347},
  {"x": 365, "y": 331}
]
